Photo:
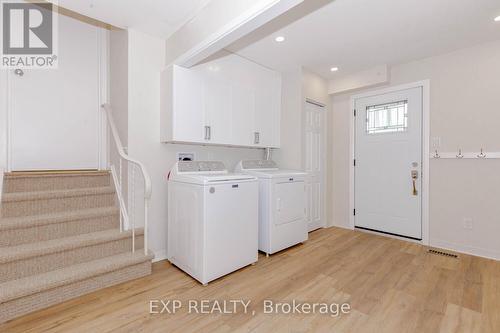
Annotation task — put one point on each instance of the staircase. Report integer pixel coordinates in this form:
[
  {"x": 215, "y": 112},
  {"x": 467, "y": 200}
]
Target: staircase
[{"x": 60, "y": 238}]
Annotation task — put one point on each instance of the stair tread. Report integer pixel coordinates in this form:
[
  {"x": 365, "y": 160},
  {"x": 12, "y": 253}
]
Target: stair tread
[
  {"x": 14, "y": 289},
  {"x": 51, "y": 174},
  {"x": 52, "y": 194},
  {"x": 8, "y": 223},
  {"x": 23, "y": 251}
]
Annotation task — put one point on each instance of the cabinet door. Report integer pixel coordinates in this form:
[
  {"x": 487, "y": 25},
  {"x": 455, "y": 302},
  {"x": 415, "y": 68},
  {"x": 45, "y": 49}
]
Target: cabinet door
[
  {"x": 243, "y": 107},
  {"x": 218, "y": 111},
  {"x": 188, "y": 109},
  {"x": 267, "y": 113}
]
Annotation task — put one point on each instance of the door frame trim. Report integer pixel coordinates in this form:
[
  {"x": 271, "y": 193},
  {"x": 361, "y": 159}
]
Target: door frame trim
[{"x": 425, "y": 85}]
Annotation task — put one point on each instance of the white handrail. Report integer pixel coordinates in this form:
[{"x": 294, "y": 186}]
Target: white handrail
[{"x": 147, "y": 180}]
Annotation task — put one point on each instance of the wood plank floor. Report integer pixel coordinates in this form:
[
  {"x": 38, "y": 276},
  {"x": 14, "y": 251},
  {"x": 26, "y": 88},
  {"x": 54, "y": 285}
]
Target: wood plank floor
[{"x": 391, "y": 285}]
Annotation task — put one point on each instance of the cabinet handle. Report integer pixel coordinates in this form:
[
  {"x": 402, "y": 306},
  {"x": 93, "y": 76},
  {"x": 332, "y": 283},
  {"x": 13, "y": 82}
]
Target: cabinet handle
[
  {"x": 208, "y": 133},
  {"x": 256, "y": 138}
]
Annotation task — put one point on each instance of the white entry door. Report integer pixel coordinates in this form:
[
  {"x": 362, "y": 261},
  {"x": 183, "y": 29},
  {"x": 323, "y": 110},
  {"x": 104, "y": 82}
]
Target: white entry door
[
  {"x": 388, "y": 163},
  {"x": 54, "y": 112},
  {"x": 314, "y": 164}
]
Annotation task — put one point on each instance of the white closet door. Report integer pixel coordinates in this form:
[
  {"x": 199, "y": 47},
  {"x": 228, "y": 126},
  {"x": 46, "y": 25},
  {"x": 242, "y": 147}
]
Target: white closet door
[{"x": 314, "y": 164}]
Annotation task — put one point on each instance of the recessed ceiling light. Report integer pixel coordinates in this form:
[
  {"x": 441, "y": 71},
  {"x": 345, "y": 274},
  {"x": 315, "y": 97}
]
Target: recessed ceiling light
[
  {"x": 279, "y": 39},
  {"x": 497, "y": 19},
  {"x": 334, "y": 69}
]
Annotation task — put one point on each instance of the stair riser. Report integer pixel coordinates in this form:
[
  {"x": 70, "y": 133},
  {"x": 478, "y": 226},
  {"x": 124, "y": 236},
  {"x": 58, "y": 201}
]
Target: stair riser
[
  {"x": 21, "y": 306},
  {"x": 32, "y": 184},
  {"x": 47, "y": 232},
  {"x": 41, "y": 264},
  {"x": 45, "y": 206}
]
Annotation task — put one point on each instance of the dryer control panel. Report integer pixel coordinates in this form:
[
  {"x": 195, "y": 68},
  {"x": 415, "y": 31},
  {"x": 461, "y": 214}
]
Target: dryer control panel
[
  {"x": 258, "y": 164},
  {"x": 201, "y": 166}
]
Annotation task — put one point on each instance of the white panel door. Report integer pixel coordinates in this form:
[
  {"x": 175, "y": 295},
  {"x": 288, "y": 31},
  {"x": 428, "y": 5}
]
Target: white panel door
[
  {"x": 388, "y": 152},
  {"x": 314, "y": 162},
  {"x": 54, "y": 119}
]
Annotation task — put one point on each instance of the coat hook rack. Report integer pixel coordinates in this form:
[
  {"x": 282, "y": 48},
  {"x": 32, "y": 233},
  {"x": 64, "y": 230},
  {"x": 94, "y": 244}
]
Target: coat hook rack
[
  {"x": 482, "y": 154},
  {"x": 466, "y": 155}
]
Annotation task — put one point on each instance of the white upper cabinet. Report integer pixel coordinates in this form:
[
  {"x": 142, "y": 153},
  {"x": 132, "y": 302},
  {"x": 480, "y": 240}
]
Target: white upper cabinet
[
  {"x": 228, "y": 101},
  {"x": 182, "y": 106}
]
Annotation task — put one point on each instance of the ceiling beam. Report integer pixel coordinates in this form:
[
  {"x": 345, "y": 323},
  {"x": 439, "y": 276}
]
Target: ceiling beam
[{"x": 206, "y": 37}]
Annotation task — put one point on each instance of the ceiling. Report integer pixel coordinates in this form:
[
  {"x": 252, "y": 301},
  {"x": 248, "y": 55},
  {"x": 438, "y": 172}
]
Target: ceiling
[
  {"x": 356, "y": 35},
  {"x": 160, "y": 18}
]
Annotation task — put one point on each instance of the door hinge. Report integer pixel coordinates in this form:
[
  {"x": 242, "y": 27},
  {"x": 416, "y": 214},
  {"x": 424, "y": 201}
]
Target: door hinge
[
  {"x": 354, "y": 212},
  {"x": 354, "y": 112},
  {"x": 354, "y": 162}
]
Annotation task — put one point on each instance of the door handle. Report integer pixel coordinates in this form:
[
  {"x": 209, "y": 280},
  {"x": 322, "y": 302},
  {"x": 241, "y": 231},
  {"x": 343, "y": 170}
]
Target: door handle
[
  {"x": 414, "y": 177},
  {"x": 19, "y": 72}
]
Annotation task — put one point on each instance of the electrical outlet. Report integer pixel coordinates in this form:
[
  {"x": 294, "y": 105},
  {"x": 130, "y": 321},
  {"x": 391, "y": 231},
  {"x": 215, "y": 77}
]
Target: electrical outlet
[
  {"x": 468, "y": 222},
  {"x": 185, "y": 157}
]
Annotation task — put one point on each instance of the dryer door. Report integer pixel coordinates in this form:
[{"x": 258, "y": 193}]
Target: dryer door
[{"x": 290, "y": 201}]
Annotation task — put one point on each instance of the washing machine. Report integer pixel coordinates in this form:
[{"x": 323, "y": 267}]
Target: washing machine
[
  {"x": 212, "y": 219},
  {"x": 282, "y": 204}
]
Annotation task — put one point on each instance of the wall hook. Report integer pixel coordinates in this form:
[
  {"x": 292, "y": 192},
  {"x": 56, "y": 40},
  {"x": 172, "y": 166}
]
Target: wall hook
[
  {"x": 482, "y": 154},
  {"x": 436, "y": 154},
  {"x": 460, "y": 155}
]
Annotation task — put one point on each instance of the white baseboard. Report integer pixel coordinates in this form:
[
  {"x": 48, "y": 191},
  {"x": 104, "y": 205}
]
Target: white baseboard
[
  {"x": 474, "y": 251},
  {"x": 160, "y": 255}
]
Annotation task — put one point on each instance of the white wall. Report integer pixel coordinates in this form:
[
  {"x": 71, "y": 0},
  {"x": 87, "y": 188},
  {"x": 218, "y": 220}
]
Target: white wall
[
  {"x": 3, "y": 119},
  {"x": 118, "y": 80},
  {"x": 465, "y": 88},
  {"x": 290, "y": 154},
  {"x": 298, "y": 86},
  {"x": 146, "y": 59}
]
